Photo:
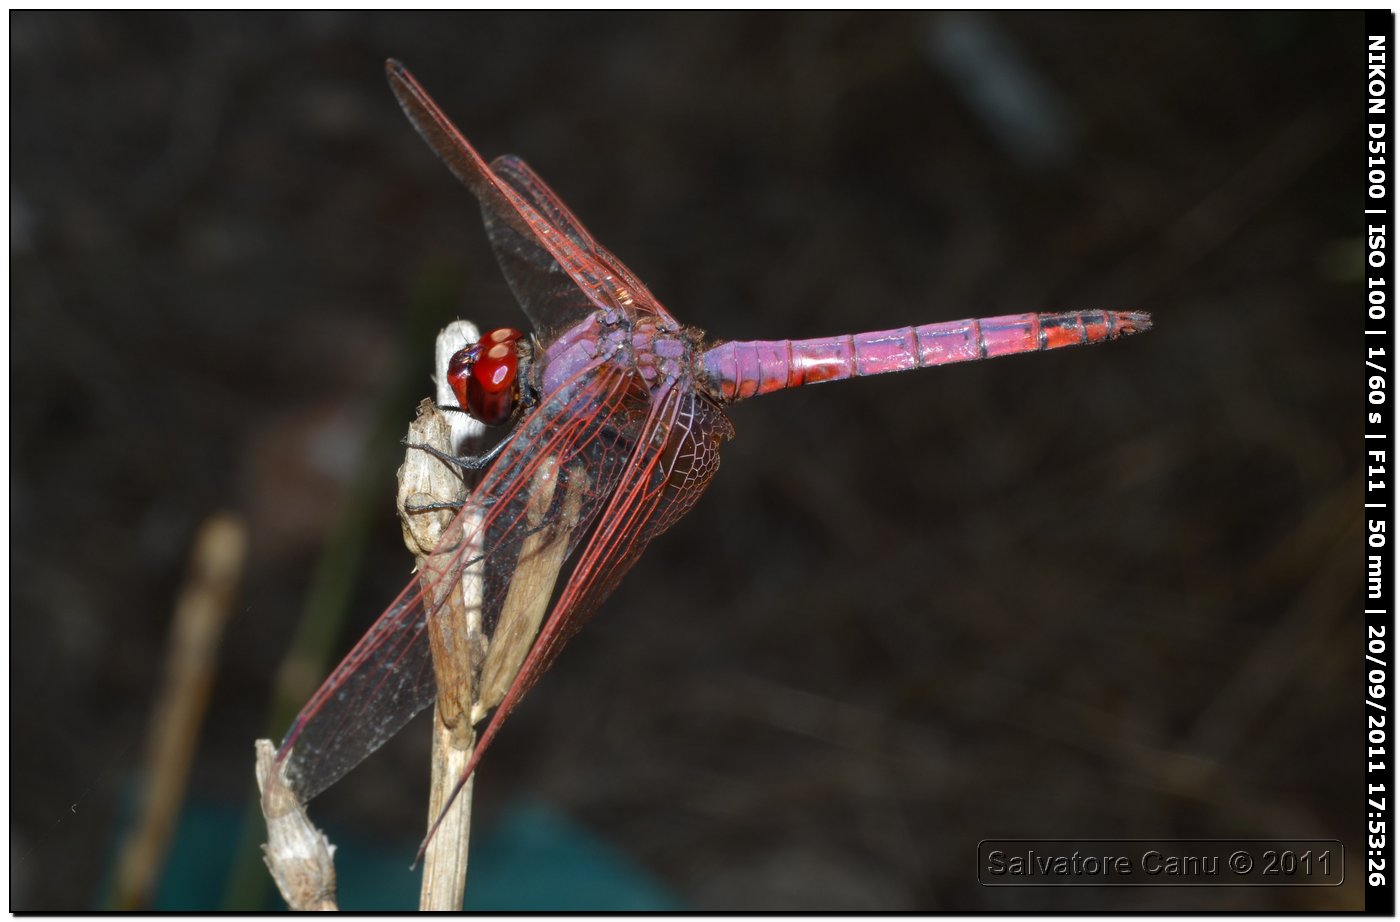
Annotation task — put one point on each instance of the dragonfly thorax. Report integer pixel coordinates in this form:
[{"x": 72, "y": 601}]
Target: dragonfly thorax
[{"x": 660, "y": 349}]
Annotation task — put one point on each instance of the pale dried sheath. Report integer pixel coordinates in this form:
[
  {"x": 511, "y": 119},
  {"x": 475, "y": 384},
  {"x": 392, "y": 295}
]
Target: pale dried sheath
[
  {"x": 298, "y": 855},
  {"x": 532, "y": 583}
]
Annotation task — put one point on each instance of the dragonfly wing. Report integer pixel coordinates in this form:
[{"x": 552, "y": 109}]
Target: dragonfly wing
[
  {"x": 517, "y": 174},
  {"x": 558, "y": 471},
  {"x": 557, "y": 281},
  {"x": 676, "y": 455},
  {"x": 385, "y": 680}
]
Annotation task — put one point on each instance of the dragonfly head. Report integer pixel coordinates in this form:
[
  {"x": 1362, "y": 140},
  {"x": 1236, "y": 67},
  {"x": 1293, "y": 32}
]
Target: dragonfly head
[{"x": 485, "y": 378}]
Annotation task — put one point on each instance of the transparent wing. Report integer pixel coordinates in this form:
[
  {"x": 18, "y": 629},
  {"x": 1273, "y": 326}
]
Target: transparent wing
[
  {"x": 658, "y": 487},
  {"x": 516, "y": 173},
  {"x": 557, "y": 279},
  {"x": 556, "y": 473},
  {"x": 676, "y": 455}
]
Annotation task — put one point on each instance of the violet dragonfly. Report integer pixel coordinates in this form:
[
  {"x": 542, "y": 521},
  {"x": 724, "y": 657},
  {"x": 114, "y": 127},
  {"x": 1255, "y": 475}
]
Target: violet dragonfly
[{"x": 617, "y": 417}]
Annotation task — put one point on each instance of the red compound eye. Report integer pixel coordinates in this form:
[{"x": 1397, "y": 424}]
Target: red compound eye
[{"x": 482, "y": 376}]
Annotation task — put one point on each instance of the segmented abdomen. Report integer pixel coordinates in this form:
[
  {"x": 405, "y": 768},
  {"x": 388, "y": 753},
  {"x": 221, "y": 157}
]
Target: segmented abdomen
[{"x": 737, "y": 370}]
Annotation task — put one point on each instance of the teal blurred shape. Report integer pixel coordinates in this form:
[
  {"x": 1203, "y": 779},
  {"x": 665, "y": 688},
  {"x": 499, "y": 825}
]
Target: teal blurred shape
[
  {"x": 532, "y": 858},
  {"x": 536, "y": 859}
]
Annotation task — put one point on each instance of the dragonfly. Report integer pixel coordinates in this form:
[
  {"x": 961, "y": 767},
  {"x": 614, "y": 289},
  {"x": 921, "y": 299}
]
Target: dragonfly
[{"x": 616, "y": 417}]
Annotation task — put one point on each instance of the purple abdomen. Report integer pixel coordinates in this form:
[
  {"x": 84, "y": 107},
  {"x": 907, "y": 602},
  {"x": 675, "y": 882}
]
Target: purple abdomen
[{"x": 737, "y": 370}]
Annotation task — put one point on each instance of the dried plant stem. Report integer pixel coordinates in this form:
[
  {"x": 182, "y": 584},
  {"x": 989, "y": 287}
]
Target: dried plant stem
[
  {"x": 320, "y": 624},
  {"x": 445, "y": 859},
  {"x": 298, "y": 855},
  {"x": 455, "y": 627},
  {"x": 216, "y": 566},
  {"x": 472, "y": 671}
]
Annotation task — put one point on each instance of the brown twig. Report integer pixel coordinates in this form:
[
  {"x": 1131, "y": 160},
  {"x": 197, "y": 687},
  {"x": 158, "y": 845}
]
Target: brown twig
[{"x": 216, "y": 565}]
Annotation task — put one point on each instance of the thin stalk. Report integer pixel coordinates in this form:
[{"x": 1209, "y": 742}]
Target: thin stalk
[
  {"x": 216, "y": 567},
  {"x": 456, "y": 623}
]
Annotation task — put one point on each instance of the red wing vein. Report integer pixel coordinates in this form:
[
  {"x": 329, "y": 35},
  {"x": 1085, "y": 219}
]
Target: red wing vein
[
  {"x": 388, "y": 677},
  {"x": 517, "y": 173},
  {"x": 643, "y": 506},
  {"x": 498, "y": 199}
]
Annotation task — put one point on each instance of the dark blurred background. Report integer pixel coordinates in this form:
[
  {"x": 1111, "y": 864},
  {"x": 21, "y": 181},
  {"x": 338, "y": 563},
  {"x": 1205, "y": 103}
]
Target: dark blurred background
[{"x": 1102, "y": 592}]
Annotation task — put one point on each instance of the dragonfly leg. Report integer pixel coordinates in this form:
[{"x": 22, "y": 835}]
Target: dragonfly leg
[
  {"x": 415, "y": 508},
  {"x": 469, "y": 463},
  {"x": 474, "y": 463}
]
